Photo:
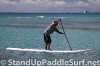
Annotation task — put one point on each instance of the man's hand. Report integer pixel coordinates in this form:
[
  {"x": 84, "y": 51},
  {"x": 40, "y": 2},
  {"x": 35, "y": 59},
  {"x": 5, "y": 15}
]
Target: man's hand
[
  {"x": 59, "y": 20},
  {"x": 64, "y": 33}
]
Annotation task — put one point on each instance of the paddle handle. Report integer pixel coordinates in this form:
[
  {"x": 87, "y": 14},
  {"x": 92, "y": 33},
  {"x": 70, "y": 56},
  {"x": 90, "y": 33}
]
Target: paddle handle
[{"x": 66, "y": 36}]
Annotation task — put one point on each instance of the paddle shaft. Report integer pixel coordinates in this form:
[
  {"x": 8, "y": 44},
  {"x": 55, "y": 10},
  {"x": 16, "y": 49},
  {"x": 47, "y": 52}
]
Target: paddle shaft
[{"x": 66, "y": 36}]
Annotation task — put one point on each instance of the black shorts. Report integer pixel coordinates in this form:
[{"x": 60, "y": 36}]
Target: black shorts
[{"x": 47, "y": 39}]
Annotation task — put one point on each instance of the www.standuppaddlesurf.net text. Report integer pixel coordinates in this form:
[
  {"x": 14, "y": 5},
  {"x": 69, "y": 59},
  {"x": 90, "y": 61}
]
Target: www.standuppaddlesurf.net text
[{"x": 43, "y": 62}]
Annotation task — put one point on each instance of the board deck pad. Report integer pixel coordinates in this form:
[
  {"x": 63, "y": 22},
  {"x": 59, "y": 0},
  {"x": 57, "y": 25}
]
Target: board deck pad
[{"x": 50, "y": 51}]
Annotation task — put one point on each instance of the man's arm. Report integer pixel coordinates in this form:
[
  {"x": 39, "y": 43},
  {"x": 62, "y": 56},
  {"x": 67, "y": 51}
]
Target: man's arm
[{"x": 59, "y": 31}]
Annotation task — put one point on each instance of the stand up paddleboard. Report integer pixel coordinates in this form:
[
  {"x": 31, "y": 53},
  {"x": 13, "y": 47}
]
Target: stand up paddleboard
[{"x": 50, "y": 51}]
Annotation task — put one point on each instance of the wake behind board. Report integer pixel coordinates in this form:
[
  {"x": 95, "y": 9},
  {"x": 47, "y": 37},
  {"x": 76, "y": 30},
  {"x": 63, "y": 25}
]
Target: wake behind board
[{"x": 50, "y": 51}]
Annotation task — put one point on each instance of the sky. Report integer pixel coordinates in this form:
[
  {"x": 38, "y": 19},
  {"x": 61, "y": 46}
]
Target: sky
[{"x": 45, "y": 6}]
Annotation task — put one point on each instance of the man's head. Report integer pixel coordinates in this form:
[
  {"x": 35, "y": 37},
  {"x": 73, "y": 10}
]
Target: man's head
[{"x": 55, "y": 23}]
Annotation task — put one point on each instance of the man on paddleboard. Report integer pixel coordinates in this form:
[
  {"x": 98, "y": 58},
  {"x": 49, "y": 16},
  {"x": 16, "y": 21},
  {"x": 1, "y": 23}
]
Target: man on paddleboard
[{"x": 52, "y": 28}]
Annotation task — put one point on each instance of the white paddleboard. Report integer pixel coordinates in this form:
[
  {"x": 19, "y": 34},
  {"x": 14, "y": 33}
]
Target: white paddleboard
[{"x": 50, "y": 51}]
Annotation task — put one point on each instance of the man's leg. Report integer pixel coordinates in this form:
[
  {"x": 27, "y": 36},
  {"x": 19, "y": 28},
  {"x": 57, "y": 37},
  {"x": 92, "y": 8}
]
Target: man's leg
[
  {"x": 48, "y": 46},
  {"x": 47, "y": 40}
]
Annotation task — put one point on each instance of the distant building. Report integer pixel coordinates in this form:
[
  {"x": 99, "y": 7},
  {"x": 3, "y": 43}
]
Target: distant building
[{"x": 85, "y": 11}]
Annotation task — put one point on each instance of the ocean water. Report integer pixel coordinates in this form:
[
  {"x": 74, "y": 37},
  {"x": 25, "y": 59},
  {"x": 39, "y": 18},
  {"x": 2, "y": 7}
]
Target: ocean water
[{"x": 25, "y": 30}]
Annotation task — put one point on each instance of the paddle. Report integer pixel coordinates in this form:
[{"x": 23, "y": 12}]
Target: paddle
[{"x": 65, "y": 35}]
